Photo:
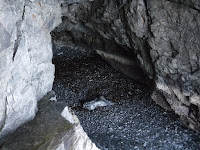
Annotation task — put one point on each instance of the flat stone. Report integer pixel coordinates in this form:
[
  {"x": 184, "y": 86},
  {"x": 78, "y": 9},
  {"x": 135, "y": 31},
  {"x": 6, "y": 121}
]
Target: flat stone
[{"x": 98, "y": 102}]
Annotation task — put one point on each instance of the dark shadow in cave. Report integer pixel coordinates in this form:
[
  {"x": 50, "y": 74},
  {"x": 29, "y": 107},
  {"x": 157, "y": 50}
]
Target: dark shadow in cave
[{"x": 134, "y": 122}]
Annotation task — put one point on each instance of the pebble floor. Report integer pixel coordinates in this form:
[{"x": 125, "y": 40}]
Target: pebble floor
[{"x": 134, "y": 122}]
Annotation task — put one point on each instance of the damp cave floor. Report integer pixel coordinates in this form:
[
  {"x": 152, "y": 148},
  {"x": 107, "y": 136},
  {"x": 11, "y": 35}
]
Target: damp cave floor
[{"x": 134, "y": 122}]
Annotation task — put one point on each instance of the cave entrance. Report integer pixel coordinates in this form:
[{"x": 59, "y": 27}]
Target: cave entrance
[
  {"x": 82, "y": 75},
  {"x": 134, "y": 121}
]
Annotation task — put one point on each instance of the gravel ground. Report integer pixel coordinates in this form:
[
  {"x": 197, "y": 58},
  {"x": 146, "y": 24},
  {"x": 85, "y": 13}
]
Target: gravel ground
[{"x": 134, "y": 122}]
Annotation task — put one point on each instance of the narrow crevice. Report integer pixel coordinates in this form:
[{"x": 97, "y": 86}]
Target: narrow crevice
[
  {"x": 148, "y": 19},
  {"x": 19, "y": 34},
  {"x": 147, "y": 54}
]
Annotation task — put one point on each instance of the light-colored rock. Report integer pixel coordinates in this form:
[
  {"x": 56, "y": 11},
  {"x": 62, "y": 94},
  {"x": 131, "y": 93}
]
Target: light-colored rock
[
  {"x": 77, "y": 139},
  {"x": 53, "y": 98},
  {"x": 98, "y": 102},
  {"x": 73, "y": 139},
  {"x": 69, "y": 115},
  {"x": 26, "y": 69}
]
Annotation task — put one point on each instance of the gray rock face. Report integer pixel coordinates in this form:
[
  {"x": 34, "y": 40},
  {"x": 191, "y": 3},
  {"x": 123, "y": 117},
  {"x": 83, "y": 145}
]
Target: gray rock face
[
  {"x": 175, "y": 54},
  {"x": 160, "y": 36},
  {"x": 26, "y": 69},
  {"x": 53, "y": 128}
]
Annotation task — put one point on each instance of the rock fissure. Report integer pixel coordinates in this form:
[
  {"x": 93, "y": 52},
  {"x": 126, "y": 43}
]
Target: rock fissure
[{"x": 19, "y": 34}]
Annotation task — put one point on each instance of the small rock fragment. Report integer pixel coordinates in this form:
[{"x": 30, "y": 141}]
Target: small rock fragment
[
  {"x": 53, "y": 98},
  {"x": 98, "y": 102},
  {"x": 61, "y": 53}
]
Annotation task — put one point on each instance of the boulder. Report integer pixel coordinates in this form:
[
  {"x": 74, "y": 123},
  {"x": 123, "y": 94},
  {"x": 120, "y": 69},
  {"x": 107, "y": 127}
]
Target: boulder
[{"x": 26, "y": 69}]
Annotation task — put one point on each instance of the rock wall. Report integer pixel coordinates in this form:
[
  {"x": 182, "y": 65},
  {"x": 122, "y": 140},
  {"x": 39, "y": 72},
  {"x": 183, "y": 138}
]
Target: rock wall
[
  {"x": 175, "y": 53},
  {"x": 160, "y": 36},
  {"x": 149, "y": 40},
  {"x": 26, "y": 69}
]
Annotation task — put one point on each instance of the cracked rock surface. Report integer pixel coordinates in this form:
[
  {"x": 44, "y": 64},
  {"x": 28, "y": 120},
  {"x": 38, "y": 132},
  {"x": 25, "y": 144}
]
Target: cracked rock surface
[{"x": 26, "y": 69}]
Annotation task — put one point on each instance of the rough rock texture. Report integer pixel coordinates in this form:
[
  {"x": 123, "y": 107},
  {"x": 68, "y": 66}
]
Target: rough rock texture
[
  {"x": 149, "y": 40},
  {"x": 49, "y": 130},
  {"x": 175, "y": 53},
  {"x": 26, "y": 69},
  {"x": 160, "y": 36}
]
